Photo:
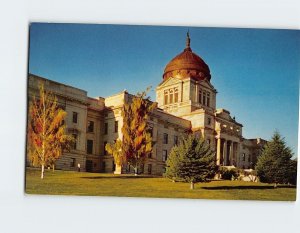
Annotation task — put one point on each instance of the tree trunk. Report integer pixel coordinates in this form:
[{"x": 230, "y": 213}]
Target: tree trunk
[
  {"x": 53, "y": 168},
  {"x": 42, "y": 173},
  {"x": 192, "y": 185},
  {"x": 135, "y": 171},
  {"x": 275, "y": 185}
]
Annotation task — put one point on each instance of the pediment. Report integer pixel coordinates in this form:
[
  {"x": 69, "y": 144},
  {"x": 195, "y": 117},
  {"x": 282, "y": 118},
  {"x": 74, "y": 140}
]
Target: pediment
[
  {"x": 207, "y": 84},
  {"x": 169, "y": 82}
]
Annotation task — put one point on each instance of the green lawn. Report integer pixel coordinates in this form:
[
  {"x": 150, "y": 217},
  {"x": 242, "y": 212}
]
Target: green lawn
[{"x": 96, "y": 184}]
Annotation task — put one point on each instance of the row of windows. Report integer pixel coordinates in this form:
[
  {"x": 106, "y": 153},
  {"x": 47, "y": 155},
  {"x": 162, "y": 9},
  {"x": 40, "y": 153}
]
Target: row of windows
[
  {"x": 171, "y": 96},
  {"x": 244, "y": 157},
  {"x": 90, "y": 126},
  {"x": 204, "y": 97},
  {"x": 90, "y": 145},
  {"x": 116, "y": 127},
  {"x": 166, "y": 139},
  {"x": 142, "y": 169}
]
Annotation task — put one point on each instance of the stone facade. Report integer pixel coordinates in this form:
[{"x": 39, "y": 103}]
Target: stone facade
[
  {"x": 97, "y": 121},
  {"x": 186, "y": 100}
]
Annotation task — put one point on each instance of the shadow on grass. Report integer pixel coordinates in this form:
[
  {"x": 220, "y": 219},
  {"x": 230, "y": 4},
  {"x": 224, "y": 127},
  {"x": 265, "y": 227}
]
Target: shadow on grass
[
  {"x": 247, "y": 187},
  {"x": 117, "y": 177}
]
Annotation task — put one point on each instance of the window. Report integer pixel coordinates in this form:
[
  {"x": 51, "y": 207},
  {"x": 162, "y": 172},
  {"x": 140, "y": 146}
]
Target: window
[
  {"x": 90, "y": 127},
  {"x": 113, "y": 166},
  {"x": 207, "y": 99},
  {"x": 89, "y": 146},
  {"x": 150, "y": 131},
  {"x": 149, "y": 168},
  {"x": 150, "y": 155},
  {"x": 142, "y": 168},
  {"x": 72, "y": 164},
  {"x": 203, "y": 97},
  {"x": 165, "y": 155},
  {"x": 116, "y": 126},
  {"x": 243, "y": 157},
  {"x": 200, "y": 96},
  {"x": 166, "y": 97},
  {"x": 165, "y": 138},
  {"x": 128, "y": 168},
  {"x": 171, "y": 96},
  {"x": 104, "y": 145},
  {"x": 176, "y": 95},
  {"x": 208, "y": 120},
  {"x": 75, "y": 141},
  {"x": 75, "y": 117},
  {"x": 105, "y": 128},
  {"x": 175, "y": 140},
  {"x": 103, "y": 166}
]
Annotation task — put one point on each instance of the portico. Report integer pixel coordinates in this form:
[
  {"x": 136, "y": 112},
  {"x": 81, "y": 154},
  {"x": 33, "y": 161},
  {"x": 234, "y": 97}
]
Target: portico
[{"x": 227, "y": 151}]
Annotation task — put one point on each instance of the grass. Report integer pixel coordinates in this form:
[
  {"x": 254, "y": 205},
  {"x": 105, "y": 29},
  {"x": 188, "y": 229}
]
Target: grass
[{"x": 96, "y": 184}]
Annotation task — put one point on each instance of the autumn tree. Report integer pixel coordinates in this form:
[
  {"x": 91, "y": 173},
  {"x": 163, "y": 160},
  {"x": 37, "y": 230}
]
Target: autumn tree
[
  {"x": 115, "y": 149},
  {"x": 191, "y": 161},
  {"x": 137, "y": 140},
  {"x": 46, "y": 130},
  {"x": 275, "y": 164}
]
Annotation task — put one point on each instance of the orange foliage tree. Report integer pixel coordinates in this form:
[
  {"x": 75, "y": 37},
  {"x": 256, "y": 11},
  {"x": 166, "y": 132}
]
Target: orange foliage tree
[
  {"x": 46, "y": 130},
  {"x": 137, "y": 141}
]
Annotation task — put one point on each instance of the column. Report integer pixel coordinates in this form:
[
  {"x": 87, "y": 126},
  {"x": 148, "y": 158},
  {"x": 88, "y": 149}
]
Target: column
[
  {"x": 218, "y": 151},
  {"x": 196, "y": 93},
  {"x": 225, "y": 153},
  {"x": 231, "y": 153},
  {"x": 238, "y": 147},
  {"x": 235, "y": 158},
  {"x": 181, "y": 99}
]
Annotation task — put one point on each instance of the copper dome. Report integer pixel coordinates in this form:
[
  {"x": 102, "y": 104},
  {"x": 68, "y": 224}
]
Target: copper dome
[{"x": 187, "y": 64}]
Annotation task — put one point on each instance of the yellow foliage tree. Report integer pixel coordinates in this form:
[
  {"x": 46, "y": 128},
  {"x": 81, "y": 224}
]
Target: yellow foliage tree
[
  {"x": 115, "y": 149},
  {"x": 46, "y": 130},
  {"x": 137, "y": 141}
]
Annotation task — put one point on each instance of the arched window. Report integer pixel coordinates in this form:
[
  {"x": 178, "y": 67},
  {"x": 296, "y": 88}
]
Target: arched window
[
  {"x": 176, "y": 95},
  {"x": 166, "y": 97},
  {"x": 171, "y": 96}
]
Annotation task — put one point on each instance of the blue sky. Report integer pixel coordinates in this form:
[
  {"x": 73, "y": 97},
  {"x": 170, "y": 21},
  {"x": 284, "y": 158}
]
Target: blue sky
[{"x": 255, "y": 71}]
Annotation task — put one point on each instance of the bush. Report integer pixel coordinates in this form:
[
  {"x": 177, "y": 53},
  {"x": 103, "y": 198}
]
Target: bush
[{"x": 229, "y": 174}]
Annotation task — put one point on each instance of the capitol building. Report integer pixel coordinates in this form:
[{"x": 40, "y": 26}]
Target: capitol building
[{"x": 186, "y": 99}]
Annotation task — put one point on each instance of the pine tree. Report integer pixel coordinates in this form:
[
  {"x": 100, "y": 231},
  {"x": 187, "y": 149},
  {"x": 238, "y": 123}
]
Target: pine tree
[
  {"x": 137, "y": 141},
  {"x": 293, "y": 172},
  {"x": 274, "y": 164},
  {"x": 46, "y": 131},
  {"x": 191, "y": 161}
]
